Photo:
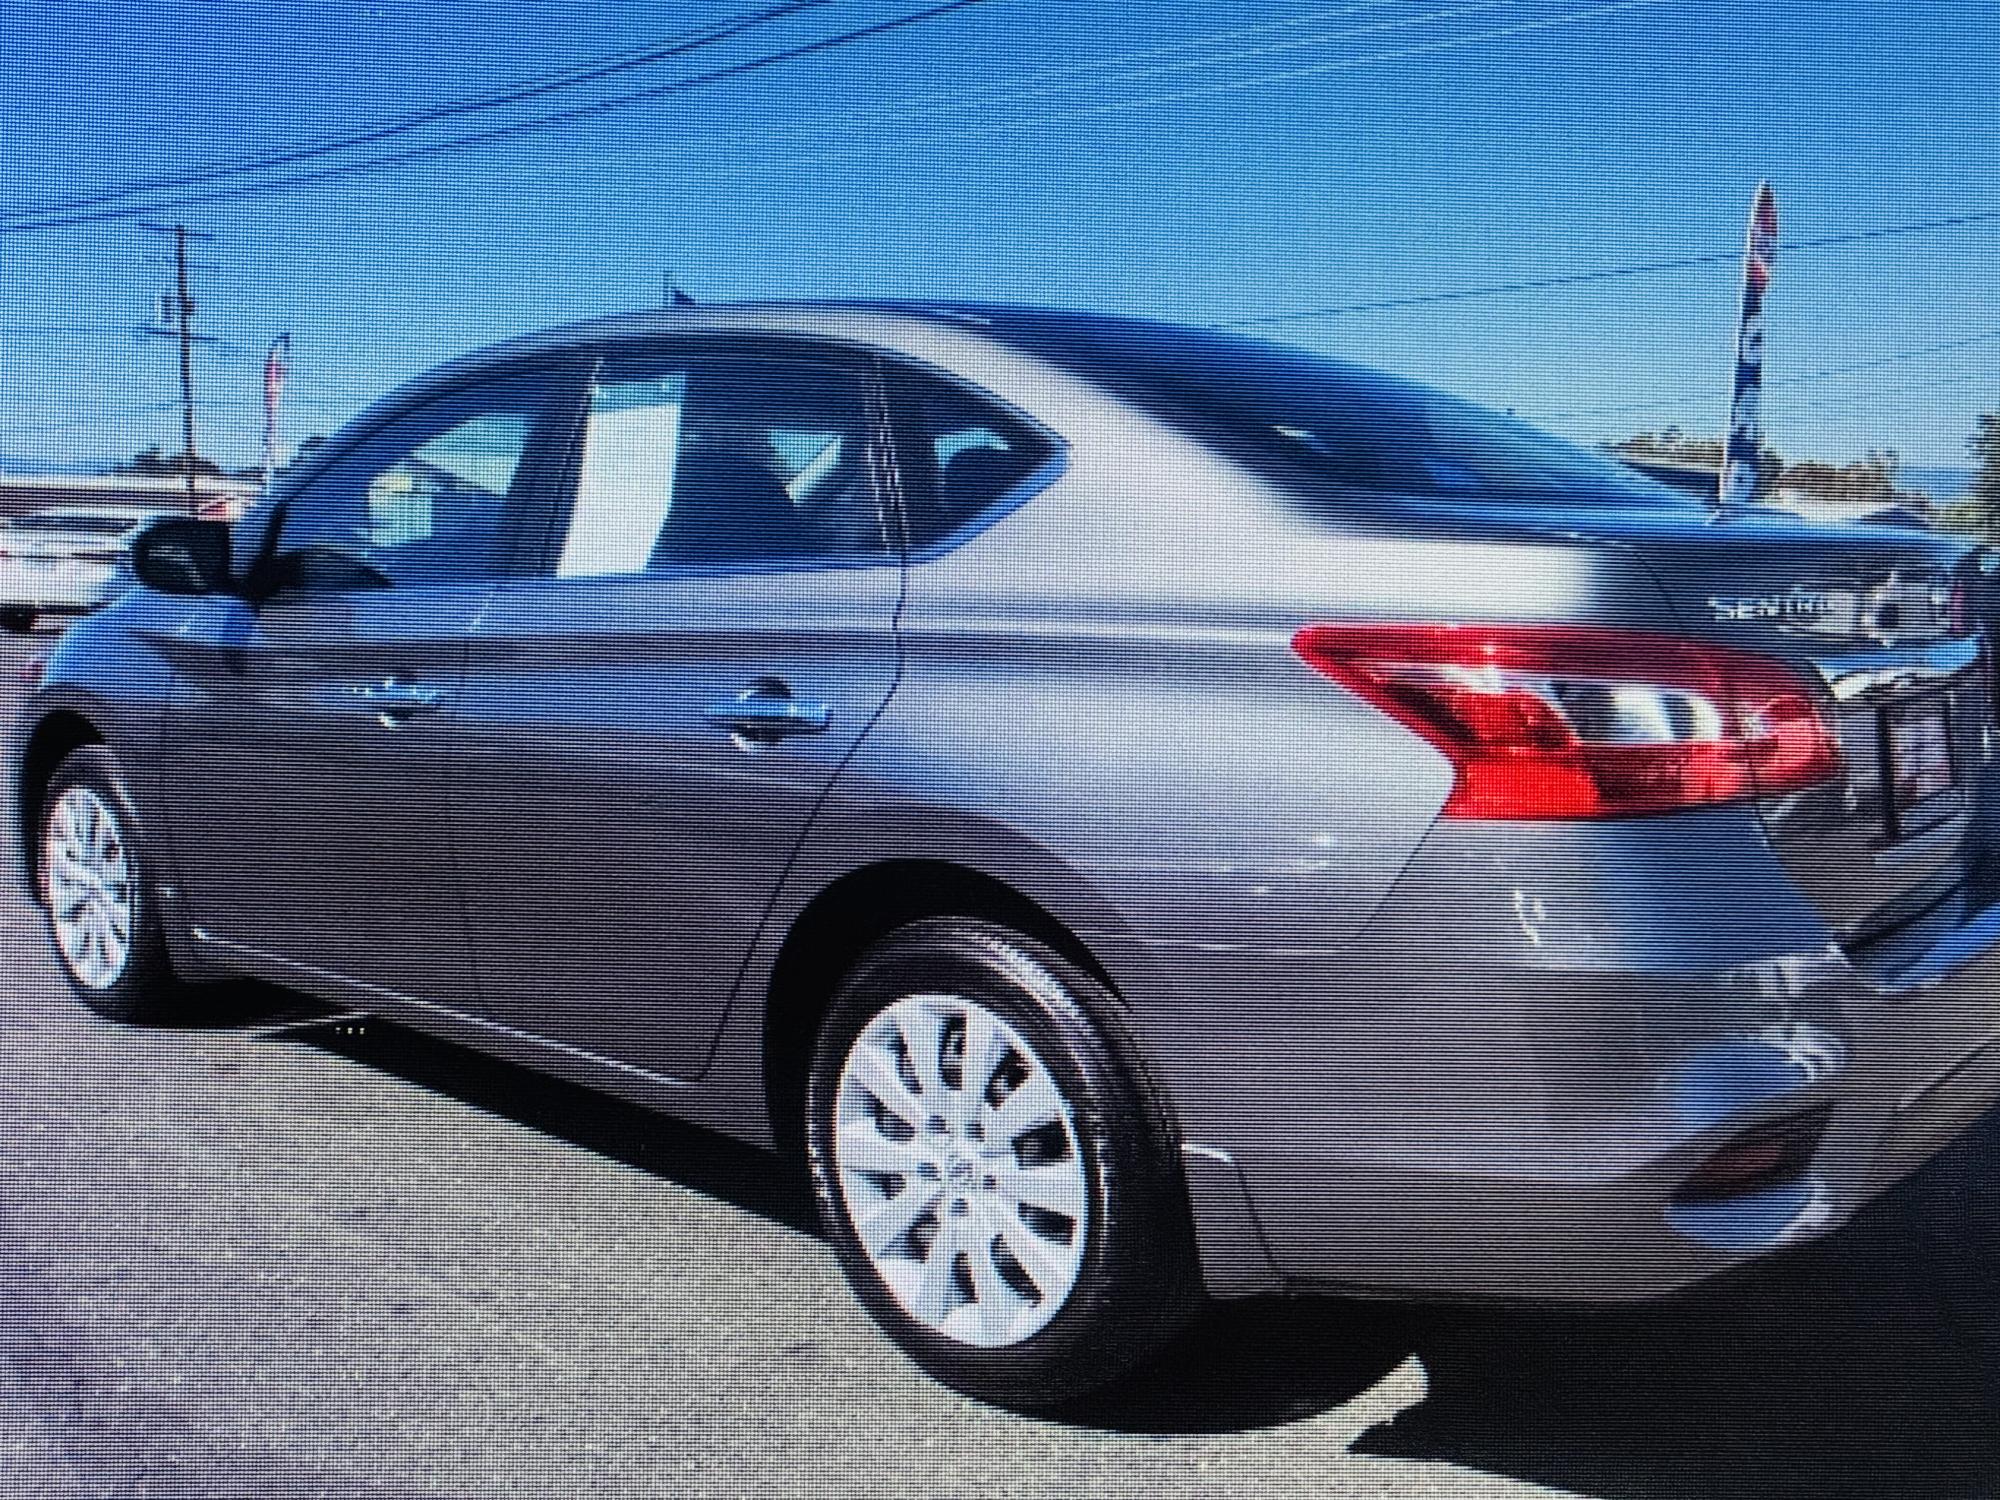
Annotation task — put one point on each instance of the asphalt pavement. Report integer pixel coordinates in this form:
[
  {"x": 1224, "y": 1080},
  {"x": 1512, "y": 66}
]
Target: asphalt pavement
[{"x": 275, "y": 1251}]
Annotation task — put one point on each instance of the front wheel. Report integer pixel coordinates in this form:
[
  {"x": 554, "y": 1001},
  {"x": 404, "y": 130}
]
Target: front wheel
[
  {"x": 1002, "y": 1191},
  {"x": 97, "y": 892}
]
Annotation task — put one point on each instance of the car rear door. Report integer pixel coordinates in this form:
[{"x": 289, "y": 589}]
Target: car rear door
[
  {"x": 647, "y": 728},
  {"x": 306, "y": 748}
]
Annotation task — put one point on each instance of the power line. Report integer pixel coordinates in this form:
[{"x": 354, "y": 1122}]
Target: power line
[
  {"x": 109, "y": 414},
  {"x": 503, "y": 132},
  {"x": 1930, "y": 407},
  {"x": 1143, "y": 54},
  {"x": 1019, "y": 89},
  {"x": 1851, "y": 402},
  {"x": 1044, "y": 118},
  {"x": 66, "y": 330},
  {"x": 1610, "y": 273},
  {"x": 1854, "y": 403},
  {"x": 118, "y": 411},
  {"x": 1685, "y": 398},
  {"x": 659, "y": 51},
  {"x": 1012, "y": 93},
  {"x": 914, "y": 106},
  {"x": 917, "y": 106}
]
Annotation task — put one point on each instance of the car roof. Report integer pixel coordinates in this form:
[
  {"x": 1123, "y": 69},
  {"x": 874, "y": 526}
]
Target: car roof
[
  {"x": 882, "y": 322},
  {"x": 923, "y": 329},
  {"x": 919, "y": 328}
]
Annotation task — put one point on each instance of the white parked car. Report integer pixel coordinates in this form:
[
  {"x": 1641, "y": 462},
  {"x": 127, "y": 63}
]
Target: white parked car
[{"x": 63, "y": 561}]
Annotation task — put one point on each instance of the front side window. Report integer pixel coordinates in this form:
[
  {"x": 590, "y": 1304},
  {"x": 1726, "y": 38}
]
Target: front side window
[
  {"x": 428, "y": 499},
  {"x": 959, "y": 456},
  {"x": 732, "y": 461}
]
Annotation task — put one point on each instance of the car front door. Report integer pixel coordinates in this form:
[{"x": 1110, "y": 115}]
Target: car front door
[
  {"x": 647, "y": 728},
  {"x": 308, "y": 735}
]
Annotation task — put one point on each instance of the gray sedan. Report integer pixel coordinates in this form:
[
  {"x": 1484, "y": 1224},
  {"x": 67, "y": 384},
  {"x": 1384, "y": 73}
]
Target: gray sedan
[{"x": 1145, "y": 814}]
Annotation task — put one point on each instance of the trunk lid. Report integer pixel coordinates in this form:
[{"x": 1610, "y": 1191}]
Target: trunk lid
[{"x": 1867, "y": 613}]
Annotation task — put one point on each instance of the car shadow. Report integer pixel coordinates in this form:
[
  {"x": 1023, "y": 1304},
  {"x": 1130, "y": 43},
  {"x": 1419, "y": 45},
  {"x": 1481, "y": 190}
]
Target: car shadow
[
  {"x": 1262, "y": 1363},
  {"x": 755, "y": 1181},
  {"x": 243, "y": 1005},
  {"x": 1863, "y": 1365}
]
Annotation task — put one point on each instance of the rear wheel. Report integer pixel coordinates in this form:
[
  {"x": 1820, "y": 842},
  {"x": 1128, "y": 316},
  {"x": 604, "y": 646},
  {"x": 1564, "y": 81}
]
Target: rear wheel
[
  {"x": 97, "y": 892},
  {"x": 1003, "y": 1194},
  {"x": 17, "y": 621}
]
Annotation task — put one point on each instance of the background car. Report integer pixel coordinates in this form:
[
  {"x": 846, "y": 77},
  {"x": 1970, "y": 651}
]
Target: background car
[
  {"x": 1141, "y": 813},
  {"x": 63, "y": 561}
]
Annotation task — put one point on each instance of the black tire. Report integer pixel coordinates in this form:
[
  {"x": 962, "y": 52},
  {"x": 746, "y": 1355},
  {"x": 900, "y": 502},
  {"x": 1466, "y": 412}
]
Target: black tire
[
  {"x": 145, "y": 988},
  {"x": 1137, "y": 1285},
  {"x": 17, "y": 621}
]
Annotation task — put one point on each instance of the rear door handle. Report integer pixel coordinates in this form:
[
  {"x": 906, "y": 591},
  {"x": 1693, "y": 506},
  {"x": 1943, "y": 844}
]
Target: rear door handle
[{"x": 766, "y": 710}]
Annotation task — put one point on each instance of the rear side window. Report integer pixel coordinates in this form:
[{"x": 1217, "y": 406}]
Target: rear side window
[
  {"x": 959, "y": 456},
  {"x": 1365, "y": 429},
  {"x": 714, "y": 461}
]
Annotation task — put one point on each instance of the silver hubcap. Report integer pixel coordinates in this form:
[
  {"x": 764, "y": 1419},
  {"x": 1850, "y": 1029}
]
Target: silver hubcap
[
  {"x": 89, "y": 885},
  {"x": 958, "y": 1165}
]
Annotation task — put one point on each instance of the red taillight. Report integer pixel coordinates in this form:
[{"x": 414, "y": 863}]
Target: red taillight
[{"x": 1548, "y": 722}]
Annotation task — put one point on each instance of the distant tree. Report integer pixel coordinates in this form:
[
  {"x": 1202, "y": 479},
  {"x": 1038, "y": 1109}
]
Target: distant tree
[
  {"x": 1871, "y": 478},
  {"x": 1670, "y": 442},
  {"x": 154, "y": 462},
  {"x": 1671, "y": 445}
]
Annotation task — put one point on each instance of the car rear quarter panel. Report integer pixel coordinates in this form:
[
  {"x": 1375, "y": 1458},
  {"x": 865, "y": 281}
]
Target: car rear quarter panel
[{"x": 1100, "y": 707}]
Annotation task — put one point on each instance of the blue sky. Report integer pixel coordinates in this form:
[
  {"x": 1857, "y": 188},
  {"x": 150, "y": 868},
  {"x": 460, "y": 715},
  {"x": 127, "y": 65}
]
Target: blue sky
[{"x": 1006, "y": 152}]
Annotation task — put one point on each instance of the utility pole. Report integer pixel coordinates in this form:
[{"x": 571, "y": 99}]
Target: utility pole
[{"x": 183, "y": 329}]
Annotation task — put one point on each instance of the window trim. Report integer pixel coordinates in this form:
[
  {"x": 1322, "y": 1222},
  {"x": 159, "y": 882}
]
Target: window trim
[
  {"x": 542, "y": 463},
  {"x": 1003, "y": 505},
  {"x": 539, "y": 567}
]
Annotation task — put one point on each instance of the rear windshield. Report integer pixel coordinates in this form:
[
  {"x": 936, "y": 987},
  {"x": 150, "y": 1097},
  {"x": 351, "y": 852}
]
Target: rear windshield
[
  {"x": 88, "y": 523},
  {"x": 1363, "y": 428}
]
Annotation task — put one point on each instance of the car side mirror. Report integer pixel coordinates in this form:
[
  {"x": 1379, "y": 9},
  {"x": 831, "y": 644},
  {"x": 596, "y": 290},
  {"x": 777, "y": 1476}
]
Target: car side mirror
[{"x": 183, "y": 555}]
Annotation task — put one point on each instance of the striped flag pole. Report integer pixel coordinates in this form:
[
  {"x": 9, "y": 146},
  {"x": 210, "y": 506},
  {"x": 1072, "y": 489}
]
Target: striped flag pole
[
  {"x": 1746, "y": 419},
  {"x": 277, "y": 365}
]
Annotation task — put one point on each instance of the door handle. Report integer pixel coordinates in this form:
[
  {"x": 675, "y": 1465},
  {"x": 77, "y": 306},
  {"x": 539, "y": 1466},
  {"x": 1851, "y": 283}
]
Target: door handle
[
  {"x": 766, "y": 710},
  {"x": 393, "y": 702}
]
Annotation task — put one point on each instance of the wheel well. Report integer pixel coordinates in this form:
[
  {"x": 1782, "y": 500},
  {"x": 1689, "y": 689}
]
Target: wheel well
[
  {"x": 841, "y": 923},
  {"x": 53, "y": 740}
]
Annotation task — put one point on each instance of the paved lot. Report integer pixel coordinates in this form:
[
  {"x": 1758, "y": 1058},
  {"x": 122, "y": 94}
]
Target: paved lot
[{"x": 276, "y": 1253}]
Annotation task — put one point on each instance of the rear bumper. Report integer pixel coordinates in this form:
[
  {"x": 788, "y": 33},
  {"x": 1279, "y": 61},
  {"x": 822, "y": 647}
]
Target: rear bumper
[
  {"x": 1451, "y": 1111},
  {"x": 1594, "y": 1213}
]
